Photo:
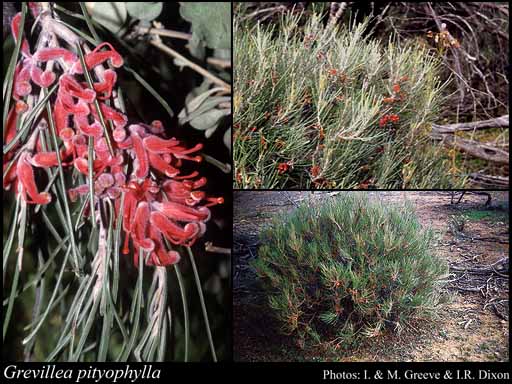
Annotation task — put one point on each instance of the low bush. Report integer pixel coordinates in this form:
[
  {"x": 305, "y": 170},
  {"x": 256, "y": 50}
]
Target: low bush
[
  {"x": 347, "y": 269},
  {"x": 321, "y": 107}
]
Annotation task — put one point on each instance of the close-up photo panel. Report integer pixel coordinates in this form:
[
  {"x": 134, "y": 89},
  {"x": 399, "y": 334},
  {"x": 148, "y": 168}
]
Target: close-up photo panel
[
  {"x": 117, "y": 182},
  {"x": 305, "y": 190}
]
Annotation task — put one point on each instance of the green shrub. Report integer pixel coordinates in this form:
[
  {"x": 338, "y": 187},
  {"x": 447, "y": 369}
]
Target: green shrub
[
  {"x": 349, "y": 268},
  {"x": 322, "y": 108}
]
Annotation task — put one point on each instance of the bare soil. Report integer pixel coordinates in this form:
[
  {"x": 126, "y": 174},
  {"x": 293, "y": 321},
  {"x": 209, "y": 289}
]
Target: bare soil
[{"x": 472, "y": 325}]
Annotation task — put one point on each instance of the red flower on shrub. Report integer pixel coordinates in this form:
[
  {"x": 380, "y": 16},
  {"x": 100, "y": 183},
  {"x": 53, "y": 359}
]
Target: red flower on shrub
[
  {"x": 393, "y": 118},
  {"x": 283, "y": 168}
]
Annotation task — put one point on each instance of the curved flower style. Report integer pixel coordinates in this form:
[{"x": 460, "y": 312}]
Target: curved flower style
[{"x": 140, "y": 164}]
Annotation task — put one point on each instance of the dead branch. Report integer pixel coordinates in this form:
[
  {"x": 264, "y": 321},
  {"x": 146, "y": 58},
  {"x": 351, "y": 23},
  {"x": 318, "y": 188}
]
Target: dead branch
[
  {"x": 458, "y": 67},
  {"x": 499, "y": 122},
  {"x": 473, "y": 148},
  {"x": 209, "y": 247},
  {"x": 490, "y": 239},
  {"x": 489, "y": 180},
  {"x": 500, "y": 266}
]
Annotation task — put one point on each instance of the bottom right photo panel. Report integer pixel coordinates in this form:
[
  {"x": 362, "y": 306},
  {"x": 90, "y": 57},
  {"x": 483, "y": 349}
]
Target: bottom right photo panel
[{"x": 371, "y": 276}]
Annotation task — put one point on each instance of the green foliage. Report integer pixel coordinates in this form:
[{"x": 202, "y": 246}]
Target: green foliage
[
  {"x": 349, "y": 268},
  {"x": 211, "y": 22},
  {"x": 313, "y": 98}
]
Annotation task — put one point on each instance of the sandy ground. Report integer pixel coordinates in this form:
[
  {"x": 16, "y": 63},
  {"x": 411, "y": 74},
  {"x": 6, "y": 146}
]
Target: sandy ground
[{"x": 469, "y": 327}]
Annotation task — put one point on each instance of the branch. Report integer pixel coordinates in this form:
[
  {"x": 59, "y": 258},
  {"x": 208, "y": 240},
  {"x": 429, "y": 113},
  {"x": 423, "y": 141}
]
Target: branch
[
  {"x": 498, "y": 122},
  {"x": 219, "y": 62},
  {"x": 171, "y": 52},
  {"x": 473, "y": 148},
  {"x": 183, "y": 36},
  {"x": 489, "y": 180},
  {"x": 164, "y": 32},
  {"x": 209, "y": 247},
  {"x": 260, "y": 11},
  {"x": 502, "y": 266}
]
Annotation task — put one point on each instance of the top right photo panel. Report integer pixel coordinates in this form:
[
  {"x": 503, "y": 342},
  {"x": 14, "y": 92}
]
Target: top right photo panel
[{"x": 371, "y": 95}]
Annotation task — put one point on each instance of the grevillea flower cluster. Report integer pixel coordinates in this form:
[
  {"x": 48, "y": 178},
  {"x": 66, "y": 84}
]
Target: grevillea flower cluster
[
  {"x": 393, "y": 118},
  {"x": 134, "y": 165}
]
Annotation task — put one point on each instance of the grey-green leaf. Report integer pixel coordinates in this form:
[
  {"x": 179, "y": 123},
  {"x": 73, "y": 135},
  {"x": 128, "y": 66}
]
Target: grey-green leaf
[
  {"x": 193, "y": 104},
  {"x": 146, "y": 11},
  {"x": 227, "y": 139},
  {"x": 211, "y": 22},
  {"x": 209, "y": 119},
  {"x": 210, "y": 131},
  {"x": 111, "y": 15}
]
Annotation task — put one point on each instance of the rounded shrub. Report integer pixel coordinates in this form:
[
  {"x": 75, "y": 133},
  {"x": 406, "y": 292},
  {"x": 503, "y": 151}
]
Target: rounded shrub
[
  {"x": 349, "y": 268},
  {"x": 319, "y": 107}
]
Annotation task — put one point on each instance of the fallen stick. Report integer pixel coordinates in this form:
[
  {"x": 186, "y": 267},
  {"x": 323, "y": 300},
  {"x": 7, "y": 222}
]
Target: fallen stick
[
  {"x": 499, "y": 266},
  {"x": 489, "y": 180},
  {"x": 473, "y": 148},
  {"x": 498, "y": 122}
]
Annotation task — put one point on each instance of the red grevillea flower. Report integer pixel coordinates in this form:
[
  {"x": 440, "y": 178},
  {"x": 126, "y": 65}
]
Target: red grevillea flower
[
  {"x": 160, "y": 204},
  {"x": 388, "y": 118},
  {"x": 394, "y": 118},
  {"x": 315, "y": 170},
  {"x": 282, "y": 168},
  {"x": 27, "y": 183}
]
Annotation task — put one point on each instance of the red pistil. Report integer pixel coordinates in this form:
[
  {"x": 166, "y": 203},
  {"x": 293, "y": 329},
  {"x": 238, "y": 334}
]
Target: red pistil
[
  {"x": 140, "y": 227},
  {"x": 141, "y": 163},
  {"x": 157, "y": 145},
  {"x": 181, "y": 212},
  {"x": 160, "y": 165},
  {"x": 172, "y": 231},
  {"x": 46, "y": 54},
  {"x": 25, "y": 174}
]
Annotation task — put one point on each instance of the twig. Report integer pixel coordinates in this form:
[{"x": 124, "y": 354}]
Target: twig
[
  {"x": 458, "y": 68},
  {"x": 484, "y": 269},
  {"x": 183, "y": 36},
  {"x": 164, "y": 32},
  {"x": 219, "y": 62},
  {"x": 209, "y": 247},
  {"x": 259, "y": 11},
  {"x": 171, "y": 52}
]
